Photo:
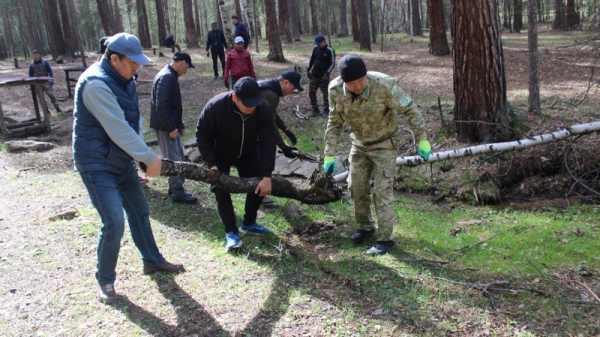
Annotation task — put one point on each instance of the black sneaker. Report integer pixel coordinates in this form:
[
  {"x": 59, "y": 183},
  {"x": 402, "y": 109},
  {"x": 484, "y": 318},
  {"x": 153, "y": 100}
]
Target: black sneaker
[
  {"x": 107, "y": 293},
  {"x": 381, "y": 247},
  {"x": 315, "y": 112},
  {"x": 184, "y": 198},
  {"x": 361, "y": 235}
]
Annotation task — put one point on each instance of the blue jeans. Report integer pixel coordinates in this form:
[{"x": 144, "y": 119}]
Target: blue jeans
[{"x": 110, "y": 194}]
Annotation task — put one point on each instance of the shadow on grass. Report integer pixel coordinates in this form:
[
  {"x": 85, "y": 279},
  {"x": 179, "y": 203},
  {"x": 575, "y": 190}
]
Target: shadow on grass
[{"x": 191, "y": 316}]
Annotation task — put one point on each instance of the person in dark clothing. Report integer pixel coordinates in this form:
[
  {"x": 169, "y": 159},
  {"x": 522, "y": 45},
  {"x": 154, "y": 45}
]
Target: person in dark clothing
[
  {"x": 102, "y": 46},
  {"x": 216, "y": 42},
  {"x": 166, "y": 118},
  {"x": 271, "y": 90},
  {"x": 320, "y": 66},
  {"x": 41, "y": 68},
  {"x": 230, "y": 130},
  {"x": 240, "y": 30},
  {"x": 170, "y": 43}
]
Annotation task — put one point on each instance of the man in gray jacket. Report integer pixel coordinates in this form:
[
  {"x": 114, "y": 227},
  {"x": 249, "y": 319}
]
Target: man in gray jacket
[
  {"x": 166, "y": 118},
  {"x": 105, "y": 143}
]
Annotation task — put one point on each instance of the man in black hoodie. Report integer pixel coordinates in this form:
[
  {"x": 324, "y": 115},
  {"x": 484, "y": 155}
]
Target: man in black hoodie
[
  {"x": 320, "y": 66},
  {"x": 229, "y": 130}
]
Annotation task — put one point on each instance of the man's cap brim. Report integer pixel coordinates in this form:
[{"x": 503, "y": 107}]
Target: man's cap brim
[
  {"x": 140, "y": 58},
  {"x": 252, "y": 102}
]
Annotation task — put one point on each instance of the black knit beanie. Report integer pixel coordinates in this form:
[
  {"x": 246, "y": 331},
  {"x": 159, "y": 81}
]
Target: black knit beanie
[{"x": 352, "y": 67}]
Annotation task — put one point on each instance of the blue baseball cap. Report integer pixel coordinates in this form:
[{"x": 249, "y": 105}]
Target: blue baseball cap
[
  {"x": 128, "y": 45},
  {"x": 319, "y": 39}
]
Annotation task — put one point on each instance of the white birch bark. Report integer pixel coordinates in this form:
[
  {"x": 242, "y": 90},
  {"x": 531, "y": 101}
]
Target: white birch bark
[{"x": 578, "y": 129}]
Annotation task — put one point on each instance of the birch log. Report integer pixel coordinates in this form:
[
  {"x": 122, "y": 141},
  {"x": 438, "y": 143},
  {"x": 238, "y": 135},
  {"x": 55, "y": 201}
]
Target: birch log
[
  {"x": 321, "y": 189},
  {"x": 578, "y": 129}
]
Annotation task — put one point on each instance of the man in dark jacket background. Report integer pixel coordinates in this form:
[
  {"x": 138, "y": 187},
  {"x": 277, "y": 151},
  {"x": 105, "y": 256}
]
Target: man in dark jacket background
[
  {"x": 166, "y": 118},
  {"x": 230, "y": 129},
  {"x": 320, "y": 66},
  {"x": 240, "y": 30},
  {"x": 216, "y": 42}
]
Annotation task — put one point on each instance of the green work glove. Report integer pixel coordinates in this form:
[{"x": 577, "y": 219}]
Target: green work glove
[
  {"x": 424, "y": 149},
  {"x": 329, "y": 165}
]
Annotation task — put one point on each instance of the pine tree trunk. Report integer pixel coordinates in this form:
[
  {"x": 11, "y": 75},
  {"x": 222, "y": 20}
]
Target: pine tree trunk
[
  {"x": 438, "y": 43},
  {"x": 143, "y": 30},
  {"x": 108, "y": 22},
  {"x": 10, "y": 43},
  {"x": 64, "y": 14},
  {"x": 506, "y": 12},
  {"x": 160, "y": 17},
  {"x": 118, "y": 19},
  {"x": 481, "y": 112},
  {"x": 295, "y": 22},
  {"x": 373, "y": 23},
  {"x": 559, "y": 15},
  {"x": 225, "y": 22},
  {"x": 314, "y": 16},
  {"x": 532, "y": 42},
  {"x": 273, "y": 36},
  {"x": 199, "y": 33},
  {"x": 167, "y": 19},
  {"x": 355, "y": 21},
  {"x": 572, "y": 17},
  {"x": 364, "y": 33},
  {"x": 343, "y": 18},
  {"x": 77, "y": 35},
  {"x": 57, "y": 43},
  {"x": 518, "y": 16},
  {"x": 188, "y": 18},
  {"x": 416, "y": 18},
  {"x": 284, "y": 20},
  {"x": 238, "y": 10}
]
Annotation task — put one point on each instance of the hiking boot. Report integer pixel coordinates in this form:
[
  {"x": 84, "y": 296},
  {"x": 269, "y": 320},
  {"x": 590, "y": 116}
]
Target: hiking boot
[
  {"x": 381, "y": 247},
  {"x": 315, "y": 112},
  {"x": 107, "y": 293},
  {"x": 326, "y": 113},
  {"x": 253, "y": 229},
  {"x": 267, "y": 201},
  {"x": 232, "y": 240},
  {"x": 184, "y": 198},
  {"x": 361, "y": 235},
  {"x": 166, "y": 267}
]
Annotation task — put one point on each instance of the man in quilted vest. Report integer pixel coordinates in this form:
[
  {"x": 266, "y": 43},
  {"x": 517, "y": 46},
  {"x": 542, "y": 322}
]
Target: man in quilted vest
[
  {"x": 105, "y": 143},
  {"x": 41, "y": 68}
]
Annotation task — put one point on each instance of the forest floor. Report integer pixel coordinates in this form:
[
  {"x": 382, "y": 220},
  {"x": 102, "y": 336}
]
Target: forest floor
[{"x": 313, "y": 284}]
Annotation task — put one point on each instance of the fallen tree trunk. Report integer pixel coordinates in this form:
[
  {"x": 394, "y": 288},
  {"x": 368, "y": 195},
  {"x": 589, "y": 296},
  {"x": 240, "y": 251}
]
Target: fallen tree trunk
[
  {"x": 321, "y": 188},
  {"x": 578, "y": 129}
]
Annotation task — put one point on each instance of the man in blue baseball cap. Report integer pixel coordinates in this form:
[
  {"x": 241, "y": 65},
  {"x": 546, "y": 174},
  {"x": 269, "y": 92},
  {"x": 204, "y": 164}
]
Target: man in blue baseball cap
[
  {"x": 105, "y": 143},
  {"x": 231, "y": 131},
  {"x": 320, "y": 66}
]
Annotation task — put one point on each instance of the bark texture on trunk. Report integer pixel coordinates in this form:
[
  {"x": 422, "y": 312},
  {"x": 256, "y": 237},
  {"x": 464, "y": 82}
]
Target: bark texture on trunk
[
  {"x": 438, "y": 43},
  {"x": 108, "y": 22},
  {"x": 190, "y": 29},
  {"x": 532, "y": 42},
  {"x": 160, "y": 17},
  {"x": 273, "y": 36},
  {"x": 364, "y": 31},
  {"x": 479, "y": 76},
  {"x": 320, "y": 190},
  {"x": 343, "y": 18}
]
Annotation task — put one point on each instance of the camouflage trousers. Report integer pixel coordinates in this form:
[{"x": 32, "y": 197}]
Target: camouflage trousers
[
  {"x": 377, "y": 161},
  {"x": 318, "y": 83},
  {"x": 47, "y": 88}
]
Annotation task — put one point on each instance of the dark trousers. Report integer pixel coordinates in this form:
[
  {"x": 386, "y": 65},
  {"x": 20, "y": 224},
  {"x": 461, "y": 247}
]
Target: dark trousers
[
  {"x": 221, "y": 54},
  {"x": 247, "y": 167},
  {"x": 318, "y": 83}
]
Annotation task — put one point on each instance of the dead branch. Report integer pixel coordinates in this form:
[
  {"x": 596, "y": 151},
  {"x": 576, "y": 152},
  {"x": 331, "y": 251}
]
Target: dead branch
[{"x": 320, "y": 190}]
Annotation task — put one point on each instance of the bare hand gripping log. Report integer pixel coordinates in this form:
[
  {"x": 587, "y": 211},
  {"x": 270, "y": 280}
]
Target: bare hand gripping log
[{"x": 320, "y": 190}]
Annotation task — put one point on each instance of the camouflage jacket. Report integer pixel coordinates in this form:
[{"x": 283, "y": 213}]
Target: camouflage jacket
[{"x": 372, "y": 116}]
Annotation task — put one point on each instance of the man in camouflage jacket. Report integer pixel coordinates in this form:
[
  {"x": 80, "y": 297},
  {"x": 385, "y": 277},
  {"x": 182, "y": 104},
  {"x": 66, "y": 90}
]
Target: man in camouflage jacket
[{"x": 369, "y": 103}]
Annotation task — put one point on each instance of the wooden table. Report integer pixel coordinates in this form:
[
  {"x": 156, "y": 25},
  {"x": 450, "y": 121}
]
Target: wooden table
[
  {"x": 40, "y": 123},
  {"x": 69, "y": 80}
]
